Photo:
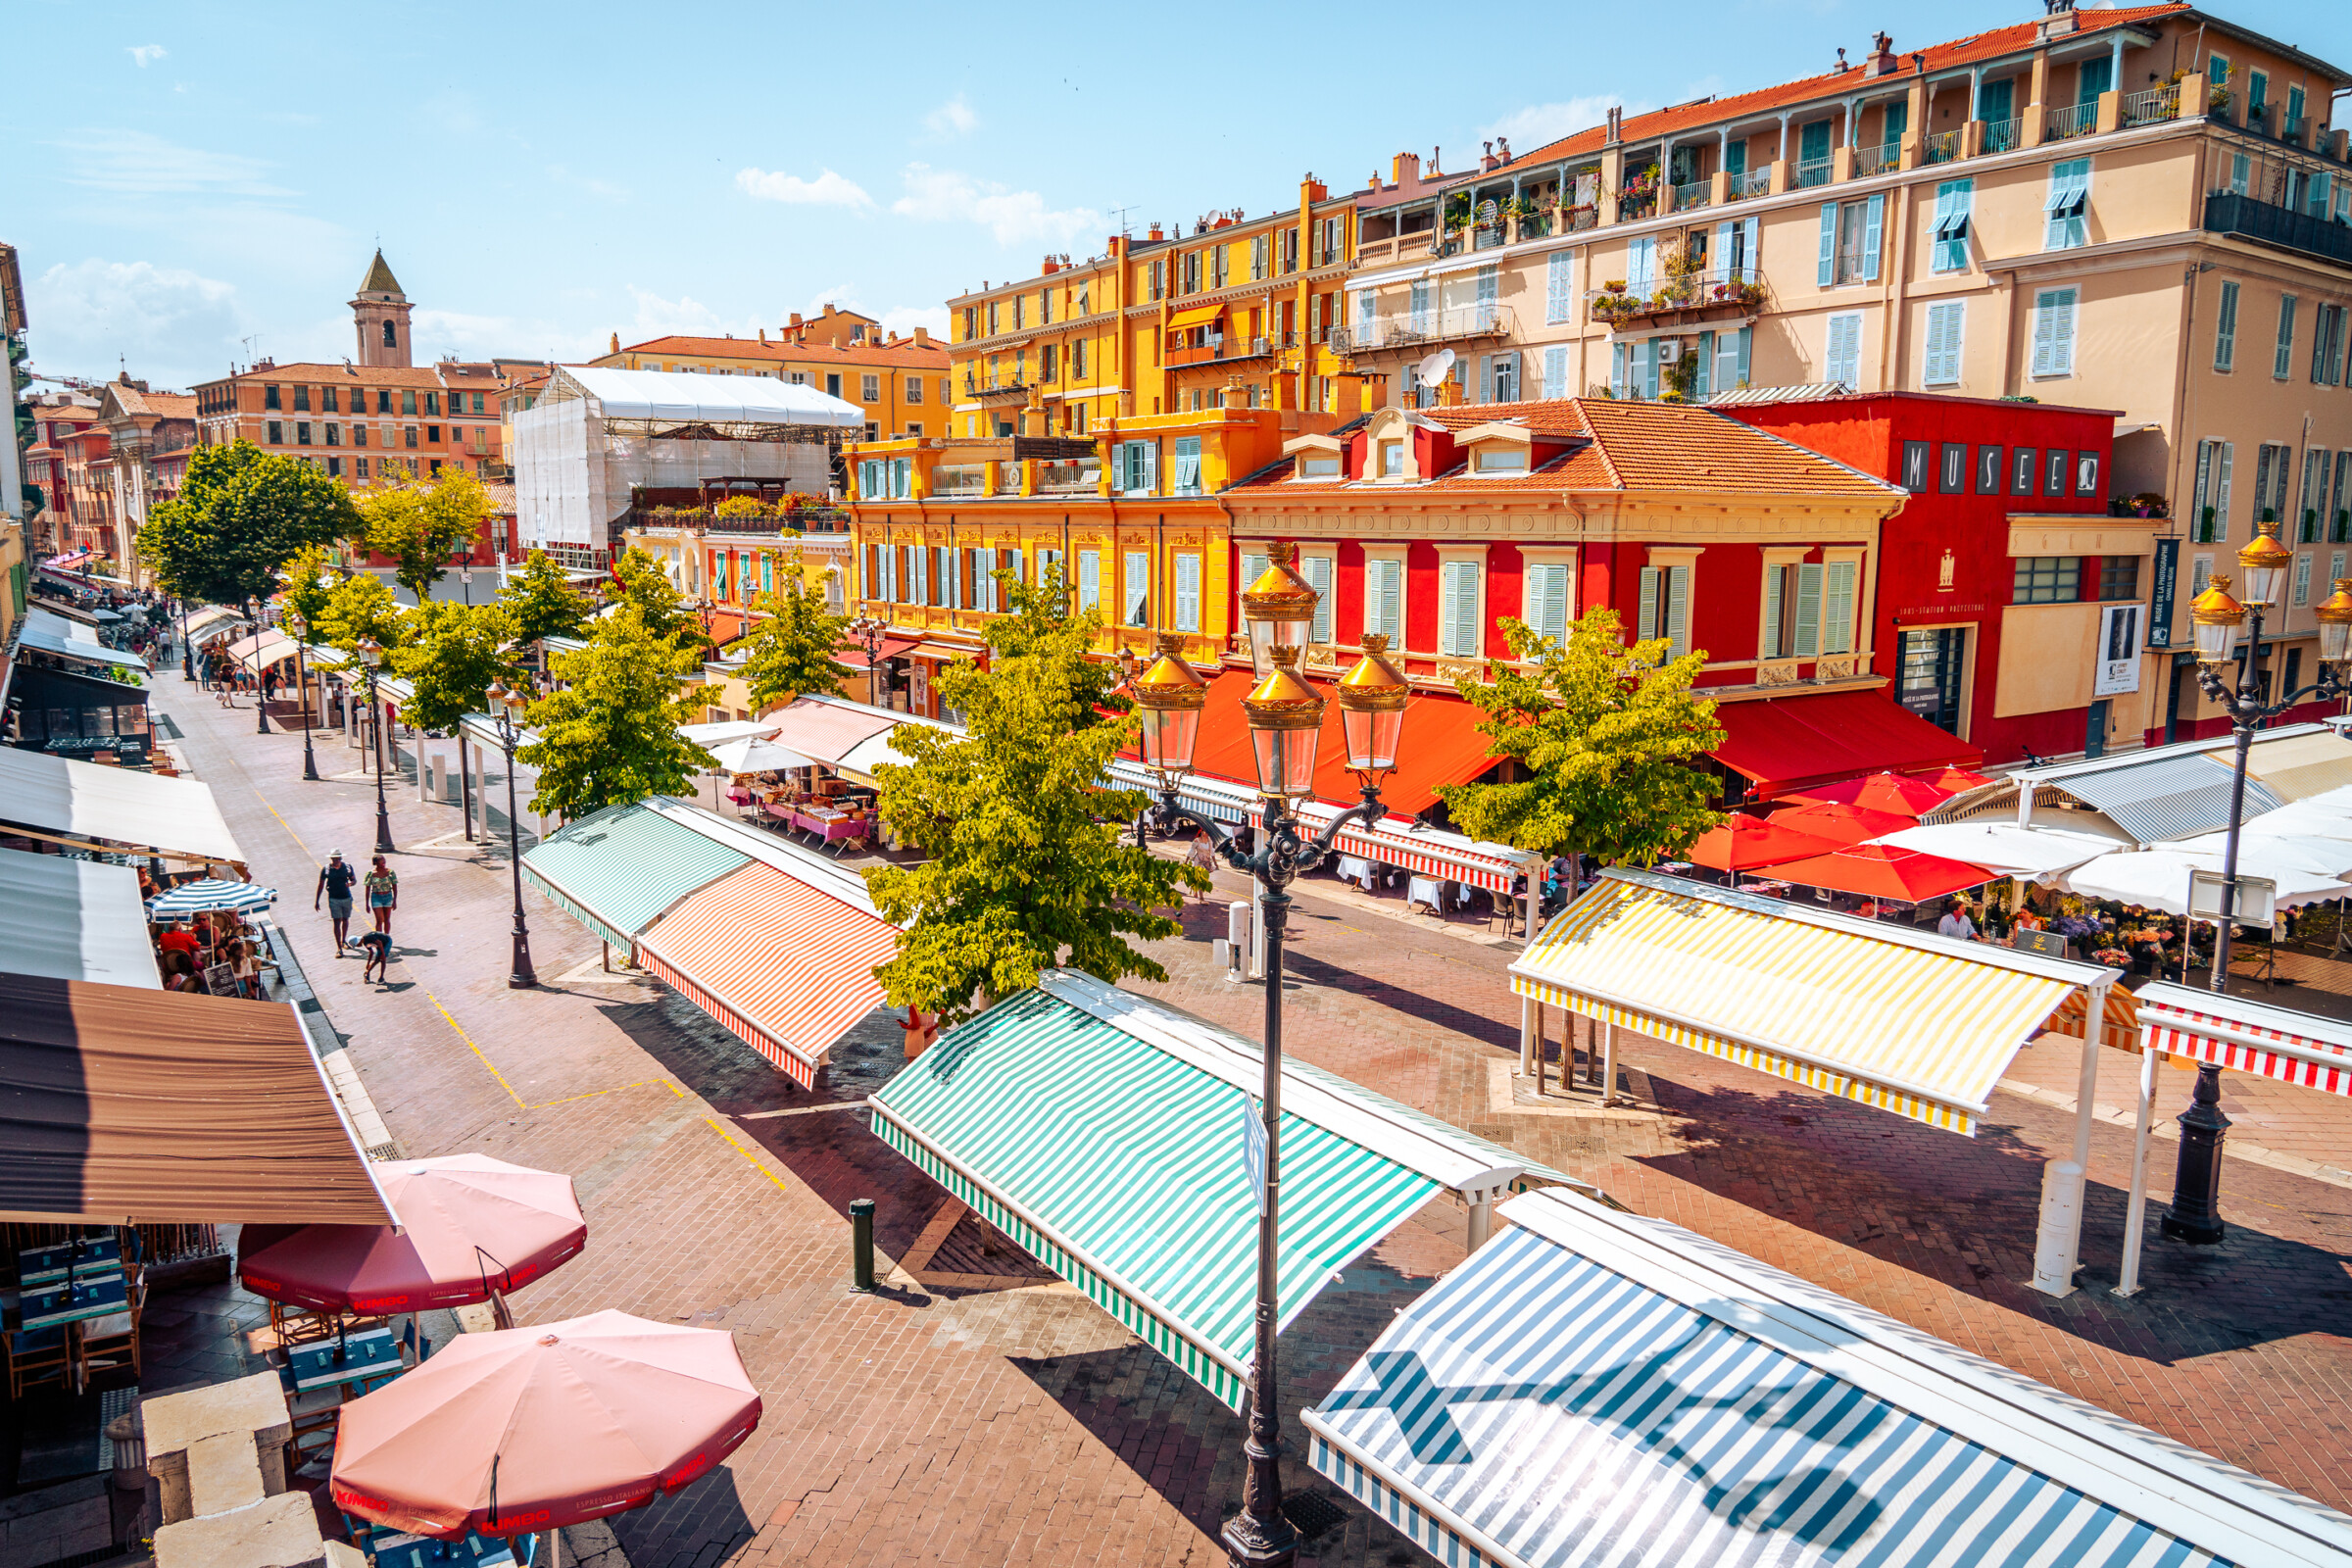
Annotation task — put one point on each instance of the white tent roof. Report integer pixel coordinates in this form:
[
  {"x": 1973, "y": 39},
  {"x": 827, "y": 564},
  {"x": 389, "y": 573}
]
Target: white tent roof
[
  {"x": 2159, "y": 878},
  {"x": 677, "y": 395},
  {"x": 83, "y": 799},
  {"x": 67, "y": 919},
  {"x": 54, "y": 634},
  {"x": 2003, "y": 846}
]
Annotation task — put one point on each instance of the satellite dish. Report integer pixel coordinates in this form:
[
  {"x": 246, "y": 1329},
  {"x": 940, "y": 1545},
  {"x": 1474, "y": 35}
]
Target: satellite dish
[{"x": 1435, "y": 367}]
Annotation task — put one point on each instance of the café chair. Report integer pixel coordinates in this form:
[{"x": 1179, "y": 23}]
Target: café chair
[
  {"x": 108, "y": 1344},
  {"x": 35, "y": 1356}
]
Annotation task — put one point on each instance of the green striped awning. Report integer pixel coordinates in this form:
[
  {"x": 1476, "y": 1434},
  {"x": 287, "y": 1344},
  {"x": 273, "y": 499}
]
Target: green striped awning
[
  {"x": 1112, "y": 1147},
  {"x": 617, "y": 871}
]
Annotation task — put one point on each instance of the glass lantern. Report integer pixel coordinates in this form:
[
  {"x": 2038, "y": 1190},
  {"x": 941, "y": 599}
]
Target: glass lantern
[
  {"x": 2218, "y": 619},
  {"x": 1277, "y": 610},
  {"x": 370, "y": 652},
  {"x": 1286, "y": 720},
  {"x": 1372, "y": 698},
  {"x": 1168, "y": 698},
  {"x": 2334, "y": 616},
  {"x": 2266, "y": 562}
]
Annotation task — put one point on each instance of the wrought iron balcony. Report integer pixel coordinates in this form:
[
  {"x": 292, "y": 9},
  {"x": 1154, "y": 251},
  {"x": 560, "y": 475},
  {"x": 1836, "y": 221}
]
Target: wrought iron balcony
[
  {"x": 1412, "y": 328},
  {"x": 2228, "y": 213},
  {"x": 1811, "y": 172},
  {"x": 2155, "y": 104},
  {"x": 1708, "y": 295},
  {"x": 2077, "y": 120}
]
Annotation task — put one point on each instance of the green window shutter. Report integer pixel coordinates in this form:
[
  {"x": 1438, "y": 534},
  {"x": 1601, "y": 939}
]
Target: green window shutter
[
  {"x": 1617, "y": 369},
  {"x": 1808, "y": 610},
  {"x": 1700, "y": 379},
  {"x": 1827, "y": 272},
  {"x": 1722, "y": 258},
  {"x": 1645, "y": 623},
  {"x": 1316, "y": 570},
  {"x": 1771, "y": 646},
  {"x": 1558, "y": 305},
  {"x": 1677, "y": 611},
  {"x": 1838, "y": 608}
]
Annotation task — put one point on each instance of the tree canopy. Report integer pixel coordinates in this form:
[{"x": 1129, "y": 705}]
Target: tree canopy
[
  {"x": 310, "y": 582},
  {"x": 453, "y": 655},
  {"x": 240, "y": 516},
  {"x": 420, "y": 522},
  {"x": 541, "y": 602},
  {"x": 1038, "y": 615},
  {"x": 610, "y": 736},
  {"x": 361, "y": 606},
  {"x": 792, "y": 651},
  {"x": 646, "y": 587},
  {"x": 1027, "y": 866},
  {"x": 1607, "y": 739}
]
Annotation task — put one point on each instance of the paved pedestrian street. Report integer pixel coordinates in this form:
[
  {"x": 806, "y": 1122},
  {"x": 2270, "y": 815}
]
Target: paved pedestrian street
[{"x": 977, "y": 1410}]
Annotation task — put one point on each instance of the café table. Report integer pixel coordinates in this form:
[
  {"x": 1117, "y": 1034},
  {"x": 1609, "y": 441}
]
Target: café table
[
  {"x": 473, "y": 1551},
  {"x": 370, "y": 1356},
  {"x": 93, "y": 1256},
  {"x": 45, "y": 1307},
  {"x": 828, "y": 826},
  {"x": 1428, "y": 890}
]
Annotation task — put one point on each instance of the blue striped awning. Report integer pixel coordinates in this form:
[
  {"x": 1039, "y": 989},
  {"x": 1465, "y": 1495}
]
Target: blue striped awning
[
  {"x": 617, "y": 870},
  {"x": 1105, "y": 1134},
  {"x": 1594, "y": 1388}
]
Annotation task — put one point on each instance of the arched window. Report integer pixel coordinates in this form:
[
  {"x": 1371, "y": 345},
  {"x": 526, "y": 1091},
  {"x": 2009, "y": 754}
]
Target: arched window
[{"x": 391, "y": 338}]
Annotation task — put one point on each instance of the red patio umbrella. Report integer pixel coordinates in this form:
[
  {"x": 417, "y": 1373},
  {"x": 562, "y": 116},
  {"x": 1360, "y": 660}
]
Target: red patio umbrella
[
  {"x": 529, "y": 1429},
  {"x": 1896, "y": 793},
  {"x": 1745, "y": 843},
  {"x": 1957, "y": 779},
  {"x": 1843, "y": 824},
  {"x": 468, "y": 1225},
  {"x": 1883, "y": 872}
]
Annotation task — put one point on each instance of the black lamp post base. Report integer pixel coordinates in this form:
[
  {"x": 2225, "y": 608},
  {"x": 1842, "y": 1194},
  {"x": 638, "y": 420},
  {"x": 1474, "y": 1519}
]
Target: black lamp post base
[
  {"x": 2195, "y": 1216},
  {"x": 524, "y": 977},
  {"x": 2192, "y": 1232},
  {"x": 1248, "y": 1546},
  {"x": 309, "y": 761}
]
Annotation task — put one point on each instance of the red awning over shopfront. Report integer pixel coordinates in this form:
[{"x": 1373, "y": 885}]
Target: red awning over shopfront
[
  {"x": 1784, "y": 744},
  {"x": 1441, "y": 745}
]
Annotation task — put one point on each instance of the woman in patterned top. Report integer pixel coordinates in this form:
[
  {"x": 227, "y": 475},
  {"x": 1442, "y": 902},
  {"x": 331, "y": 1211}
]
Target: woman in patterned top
[{"x": 383, "y": 887}]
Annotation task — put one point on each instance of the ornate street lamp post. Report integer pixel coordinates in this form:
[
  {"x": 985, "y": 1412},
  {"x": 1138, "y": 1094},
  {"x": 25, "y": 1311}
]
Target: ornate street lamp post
[
  {"x": 372, "y": 654},
  {"x": 301, "y": 629},
  {"x": 506, "y": 711},
  {"x": 1286, "y": 720},
  {"x": 187, "y": 654},
  {"x": 869, "y": 630},
  {"x": 2195, "y": 1215}
]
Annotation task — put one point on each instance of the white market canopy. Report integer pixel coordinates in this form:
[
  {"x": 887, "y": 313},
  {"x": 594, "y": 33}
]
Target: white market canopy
[
  {"x": 1595, "y": 1389},
  {"x": 264, "y": 647},
  {"x": 69, "y": 919},
  {"x": 680, "y": 397},
  {"x": 85, "y": 801},
  {"x": 1903, "y": 1020},
  {"x": 2003, "y": 848},
  {"x": 65, "y": 639},
  {"x": 204, "y": 621},
  {"x": 2159, "y": 879},
  {"x": 2164, "y": 792}
]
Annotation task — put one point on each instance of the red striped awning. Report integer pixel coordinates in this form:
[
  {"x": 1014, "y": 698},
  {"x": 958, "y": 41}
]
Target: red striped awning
[
  {"x": 783, "y": 967},
  {"x": 2233, "y": 1032}
]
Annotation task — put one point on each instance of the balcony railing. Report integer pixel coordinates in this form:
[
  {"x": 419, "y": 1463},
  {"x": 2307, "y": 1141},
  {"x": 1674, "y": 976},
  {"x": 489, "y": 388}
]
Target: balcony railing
[
  {"x": 1216, "y": 349},
  {"x": 2228, "y": 213},
  {"x": 1485, "y": 237},
  {"x": 1877, "y": 159},
  {"x": 1537, "y": 224},
  {"x": 2155, "y": 104},
  {"x": 959, "y": 481},
  {"x": 1416, "y": 327},
  {"x": 1696, "y": 193},
  {"x": 2292, "y": 130},
  {"x": 2080, "y": 120},
  {"x": 1710, "y": 293},
  {"x": 2005, "y": 136},
  {"x": 995, "y": 387},
  {"x": 1069, "y": 479},
  {"x": 1941, "y": 148},
  {"x": 1751, "y": 183},
  {"x": 1811, "y": 172},
  {"x": 1581, "y": 219},
  {"x": 1634, "y": 206}
]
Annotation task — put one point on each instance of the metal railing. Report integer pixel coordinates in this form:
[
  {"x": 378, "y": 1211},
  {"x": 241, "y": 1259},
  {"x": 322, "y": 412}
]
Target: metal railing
[
  {"x": 1071, "y": 477},
  {"x": 1485, "y": 237},
  {"x": 2005, "y": 136},
  {"x": 1581, "y": 219},
  {"x": 2292, "y": 130},
  {"x": 1752, "y": 182},
  {"x": 1811, "y": 172},
  {"x": 961, "y": 481},
  {"x": 1537, "y": 224},
  {"x": 2080, "y": 120},
  {"x": 1423, "y": 326},
  {"x": 2228, "y": 213},
  {"x": 1877, "y": 159},
  {"x": 1709, "y": 288},
  {"x": 1695, "y": 193},
  {"x": 1941, "y": 148},
  {"x": 2155, "y": 104},
  {"x": 1636, "y": 205}
]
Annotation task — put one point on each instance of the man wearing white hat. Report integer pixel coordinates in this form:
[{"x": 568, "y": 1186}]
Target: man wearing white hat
[{"x": 334, "y": 886}]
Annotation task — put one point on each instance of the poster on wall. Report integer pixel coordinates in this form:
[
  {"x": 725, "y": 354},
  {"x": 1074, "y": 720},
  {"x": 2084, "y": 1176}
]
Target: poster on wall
[
  {"x": 2119, "y": 651},
  {"x": 2168, "y": 576}
]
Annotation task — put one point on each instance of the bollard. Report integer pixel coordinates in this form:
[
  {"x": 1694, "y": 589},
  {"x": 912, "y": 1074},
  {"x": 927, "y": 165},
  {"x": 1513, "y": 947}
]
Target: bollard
[
  {"x": 2054, "y": 1255},
  {"x": 861, "y": 1244}
]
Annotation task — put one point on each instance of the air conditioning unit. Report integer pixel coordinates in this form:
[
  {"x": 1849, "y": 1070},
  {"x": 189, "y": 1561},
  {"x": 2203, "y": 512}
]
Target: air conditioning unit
[{"x": 1670, "y": 350}]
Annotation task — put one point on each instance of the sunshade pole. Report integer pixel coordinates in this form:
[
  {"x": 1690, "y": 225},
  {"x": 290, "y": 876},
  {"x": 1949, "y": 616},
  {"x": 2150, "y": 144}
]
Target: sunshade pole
[
  {"x": 2058, "y": 1246},
  {"x": 2135, "y": 1216}
]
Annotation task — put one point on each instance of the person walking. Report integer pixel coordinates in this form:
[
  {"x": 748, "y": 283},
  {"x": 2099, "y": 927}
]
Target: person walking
[
  {"x": 384, "y": 894},
  {"x": 334, "y": 886}
]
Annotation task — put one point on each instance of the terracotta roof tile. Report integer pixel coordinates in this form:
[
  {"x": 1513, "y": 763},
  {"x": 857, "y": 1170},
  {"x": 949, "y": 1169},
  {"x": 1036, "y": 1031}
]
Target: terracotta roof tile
[
  {"x": 904, "y": 353},
  {"x": 339, "y": 374}
]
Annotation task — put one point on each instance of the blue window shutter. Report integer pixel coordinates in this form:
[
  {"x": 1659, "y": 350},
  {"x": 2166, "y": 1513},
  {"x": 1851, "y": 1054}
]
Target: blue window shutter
[
  {"x": 1645, "y": 626},
  {"x": 1616, "y": 369},
  {"x": 1700, "y": 381},
  {"x": 1486, "y": 378},
  {"x": 1722, "y": 267},
  {"x": 1873, "y": 234},
  {"x": 1750, "y": 240},
  {"x": 1827, "y": 272},
  {"x": 1746, "y": 338},
  {"x": 1555, "y": 371}
]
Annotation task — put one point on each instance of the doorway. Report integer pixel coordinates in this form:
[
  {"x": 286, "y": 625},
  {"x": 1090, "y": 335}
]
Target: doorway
[{"x": 1932, "y": 665}]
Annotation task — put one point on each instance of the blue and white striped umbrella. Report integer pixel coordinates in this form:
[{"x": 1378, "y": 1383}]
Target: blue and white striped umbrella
[{"x": 212, "y": 893}]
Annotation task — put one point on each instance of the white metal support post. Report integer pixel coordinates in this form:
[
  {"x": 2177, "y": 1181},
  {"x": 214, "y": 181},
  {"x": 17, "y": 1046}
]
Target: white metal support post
[
  {"x": 2135, "y": 1217},
  {"x": 2058, "y": 1243}
]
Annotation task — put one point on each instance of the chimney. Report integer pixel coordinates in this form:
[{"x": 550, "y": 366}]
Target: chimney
[
  {"x": 837, "y": 340},
  {"x": 1154, "y": 233},
  {"x": 922, "y": 337},
  {"x": 1405, "y": 169},
  {"x": 615, "y": 348},
  {"x": 1433, "y": 170},
  {"x": 1882, "y": 56},
  {"x": 763, "y": 334},
  {"x": 1616, "y": 126},
  {"x": 796, "y": 319},
  {"x": 1842, "y": 68},
  {"x": 1485, "y": 157}
]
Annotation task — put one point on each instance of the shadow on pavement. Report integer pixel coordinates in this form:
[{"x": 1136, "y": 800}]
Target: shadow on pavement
[{"x": 697, "y": 1526}]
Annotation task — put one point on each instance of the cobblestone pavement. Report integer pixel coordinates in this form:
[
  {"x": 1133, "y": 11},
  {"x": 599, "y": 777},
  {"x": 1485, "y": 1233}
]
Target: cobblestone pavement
[{"x": 1005, "y": 1422}]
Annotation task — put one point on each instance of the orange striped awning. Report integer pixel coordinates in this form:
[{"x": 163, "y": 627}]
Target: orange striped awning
[{"x": 785, "y": 968}]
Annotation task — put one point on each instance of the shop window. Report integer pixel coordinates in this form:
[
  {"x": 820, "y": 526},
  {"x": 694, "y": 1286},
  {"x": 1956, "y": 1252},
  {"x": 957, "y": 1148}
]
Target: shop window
[{"x": 2048, "y": 581}]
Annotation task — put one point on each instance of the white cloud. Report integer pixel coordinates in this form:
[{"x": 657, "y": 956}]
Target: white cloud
[
  {"x": 1014, "y": 216},
  {"x": 951, "y": 120},
  {"x": 146, "y": 54},
  {"x": 1536, "y": 123},
  {"x": 132, "y": 162},
  {"x": 827, "y": 189},
  {"x": 170, "y": 326}
]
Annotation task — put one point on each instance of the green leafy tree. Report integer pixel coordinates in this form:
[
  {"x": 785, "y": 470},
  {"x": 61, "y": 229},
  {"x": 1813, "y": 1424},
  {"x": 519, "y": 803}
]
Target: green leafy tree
[
  {"x": 1608, "y": 738},
  {"x": 645, "y": 586},
  {"x": 792, "y": 653},
  {"x": 1026, "y": 870},
  {"x": 310, "y": 582},
  {"x": 453, "y": 655},
  {"x": 241, "y": 515},
  {"x": 541, "y": 602},
  {"x": 1038, "y": 616},
  {"x": 610, "y": 736},
  {"x": 361, "y": 606},
  {"x": 420, "y": 523}
]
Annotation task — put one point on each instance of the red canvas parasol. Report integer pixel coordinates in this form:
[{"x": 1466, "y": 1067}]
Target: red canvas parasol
[
  {"x": 1957, "y": 779},
  {"x": 537, "y": 1428},
  {"x": 1843, "y": 824},
  {"x": 1883, "y": 872},
  {"x": 1896, "y": 793},
  {"x": 1745, "y": 843},
  {"x": 468, "y": 1225}
]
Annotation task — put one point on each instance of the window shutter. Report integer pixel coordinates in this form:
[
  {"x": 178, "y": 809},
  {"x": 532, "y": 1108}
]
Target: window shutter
[
  {"x": 1149, "y": 450},
  {"x": 1188, "y": 593},
  {"x": 1724, "y": 266},
  {"x": 1645, "y": 624},
  {"x": 1637, "y": 262},
  {"x": 868, "y": 570},
  {"x": 1446, "y": 603},
  {"x": 1138, "y": 588},
  {"x": 1873, "y": 234},
  {"x": 1808, "y": 610},
  {"x": 1617, "y": 369},
  {"x": 1677, "y": 611},
  {"x": 1316, "y": 570},
  {"x": 1537, "y": 610},
  {"x": 2062, "y": 338},
  {"x": 1090, "y": 579},
  {"x": 1751, "y": 233},
  {"x": 1772, "y": 612},
  {"x": 1383, "y": 601},
  {"x": 1748, "y": 336},
  {"x": 1490, "y": 284},
  {"x": 1468, "y": 641},
  {"x": 2222, "y": 506},
  {"x": 1486, "y": 378},
  {"x": 1558, "y": 306},
  {"x": 1555, "y": 371},
  {"x": 1838, "y": 608},
  {"x": 1826, "y": 273},
  {"x": 1559, "y": 585},
  {"x": 2045, "y": 333},
  {"x": 1701, "y": 378}
]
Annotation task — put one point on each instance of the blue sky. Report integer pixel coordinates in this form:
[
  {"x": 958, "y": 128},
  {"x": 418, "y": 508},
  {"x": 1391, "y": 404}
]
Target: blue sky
[{"x": 180, "y": 178}]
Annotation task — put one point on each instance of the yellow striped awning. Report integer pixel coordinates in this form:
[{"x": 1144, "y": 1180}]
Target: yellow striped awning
[{"x": 1903, "y": 1020}]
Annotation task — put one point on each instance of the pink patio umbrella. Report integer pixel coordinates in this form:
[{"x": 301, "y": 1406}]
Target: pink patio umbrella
[
  {"x": 1896, "y": 792},
  {"x": 468, "y": 1225},
  {"x": 530, "y": 1429}
]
